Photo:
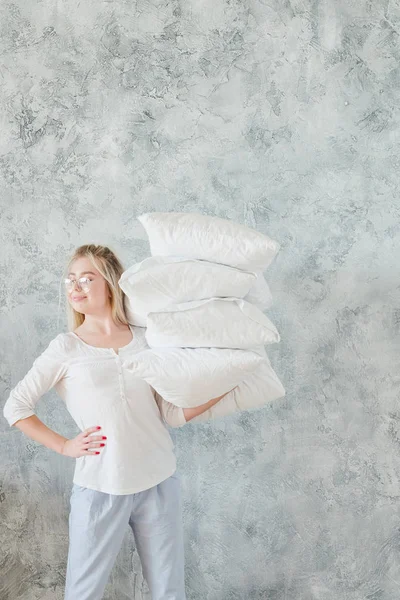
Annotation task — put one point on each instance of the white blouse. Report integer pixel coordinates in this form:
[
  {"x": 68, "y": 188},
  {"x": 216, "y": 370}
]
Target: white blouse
[{"x": 98, "y": 390}]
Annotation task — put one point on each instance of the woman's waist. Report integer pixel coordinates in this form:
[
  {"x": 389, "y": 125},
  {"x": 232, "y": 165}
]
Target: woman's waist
[
  {"x": 121, "y": 424},
  {"x": 116, "y": 459}
]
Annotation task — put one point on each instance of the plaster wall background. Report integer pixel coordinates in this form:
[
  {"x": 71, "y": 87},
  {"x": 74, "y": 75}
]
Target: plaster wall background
[{"x": 283, "y": 116}]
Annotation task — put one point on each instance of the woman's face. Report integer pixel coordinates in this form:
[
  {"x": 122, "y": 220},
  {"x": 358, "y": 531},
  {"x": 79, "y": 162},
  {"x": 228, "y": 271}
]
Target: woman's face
[{"x": 97, "y": 297}]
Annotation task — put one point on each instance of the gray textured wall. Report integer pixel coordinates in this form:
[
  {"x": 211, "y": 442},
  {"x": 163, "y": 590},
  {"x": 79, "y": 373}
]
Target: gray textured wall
[{"x": 280, "y": 115}]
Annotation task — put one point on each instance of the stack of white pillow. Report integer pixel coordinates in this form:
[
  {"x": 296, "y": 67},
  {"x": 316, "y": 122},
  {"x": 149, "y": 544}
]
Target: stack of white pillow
[{"x": 201, "y": 296}]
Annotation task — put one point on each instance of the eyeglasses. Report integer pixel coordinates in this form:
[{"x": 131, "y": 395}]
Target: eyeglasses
[{"x": 83, "y": 284}]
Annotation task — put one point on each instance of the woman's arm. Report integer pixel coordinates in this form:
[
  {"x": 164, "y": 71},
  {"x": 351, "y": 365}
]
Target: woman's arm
[
  {"x": 46, "y": 371},
  {"x": 175, "y": 416},
  {"x": 34, "y": 428},
  {"x": 190, "y": 413}
]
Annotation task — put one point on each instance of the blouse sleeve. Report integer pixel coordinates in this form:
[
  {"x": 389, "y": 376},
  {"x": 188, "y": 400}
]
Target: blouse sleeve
[
  {"x": 173, "y": 415},
  {"x": 46, "y": 371}
]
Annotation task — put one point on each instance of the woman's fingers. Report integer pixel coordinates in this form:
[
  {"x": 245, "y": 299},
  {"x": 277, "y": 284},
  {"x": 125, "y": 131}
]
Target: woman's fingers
[{"x": 91, "y": 441}]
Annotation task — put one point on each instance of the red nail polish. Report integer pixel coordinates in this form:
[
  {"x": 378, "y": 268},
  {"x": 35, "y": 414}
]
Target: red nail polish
[
  {"x": 97, "y": 452},
  {"x": 102, "y": 444},
  {"x": 104, "y": 437}
]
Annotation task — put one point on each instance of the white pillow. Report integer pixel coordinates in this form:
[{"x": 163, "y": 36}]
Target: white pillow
[
  {"x": 253, "y": 392},
  {"x": 160, "y": 281},
  {"x": 260, "y": 293},
  {"x": 194, "y": 235},
  {"x": 212, "y": 322},
  {"x": 192, "y": 376}
]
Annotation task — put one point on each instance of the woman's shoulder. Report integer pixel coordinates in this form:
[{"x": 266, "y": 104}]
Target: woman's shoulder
[
  {"x": 57, "y": 349},
  {"x": 139, "y": 339},
  {"x": 139, "y": 334},
  {"x": 61, "y": 343}
]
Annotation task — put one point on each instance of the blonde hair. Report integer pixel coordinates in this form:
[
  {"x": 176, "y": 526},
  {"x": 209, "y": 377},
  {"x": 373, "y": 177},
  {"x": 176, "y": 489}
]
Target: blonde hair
[{"x": 110, "y": 267}]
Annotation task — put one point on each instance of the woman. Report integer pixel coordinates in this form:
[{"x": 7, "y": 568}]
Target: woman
[{"x": 125, "y": 470}]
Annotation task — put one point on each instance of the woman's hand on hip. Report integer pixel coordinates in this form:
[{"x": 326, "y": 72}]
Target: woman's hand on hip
[{"x": 83, "y": 444}]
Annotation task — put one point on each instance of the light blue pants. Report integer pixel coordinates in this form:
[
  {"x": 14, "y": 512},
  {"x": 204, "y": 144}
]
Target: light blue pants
[{"x": 97, "y": 526}]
